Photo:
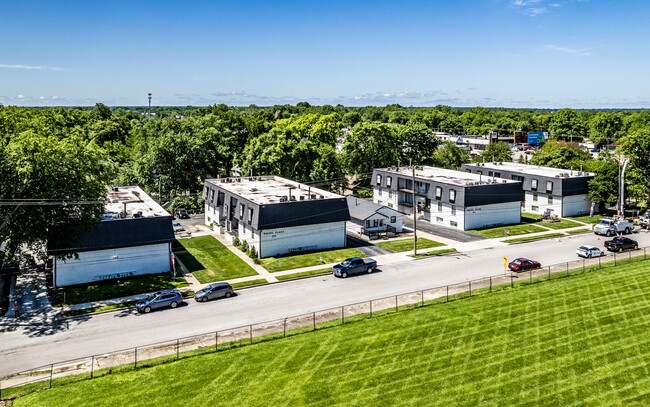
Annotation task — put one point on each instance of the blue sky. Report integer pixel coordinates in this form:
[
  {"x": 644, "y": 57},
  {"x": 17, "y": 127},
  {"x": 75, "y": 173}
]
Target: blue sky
[{"x": 509, "y": 53}]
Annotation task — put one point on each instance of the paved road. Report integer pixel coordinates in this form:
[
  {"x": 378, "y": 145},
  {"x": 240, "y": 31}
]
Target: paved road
[{"x": 103, "y": 333}]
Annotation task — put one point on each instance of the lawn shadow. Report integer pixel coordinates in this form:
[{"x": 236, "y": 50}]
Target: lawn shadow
[{"x": 190, "y": 262}]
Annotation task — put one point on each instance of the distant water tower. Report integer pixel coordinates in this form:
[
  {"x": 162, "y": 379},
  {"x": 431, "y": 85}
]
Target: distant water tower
[{"x": 149, "y": 104}]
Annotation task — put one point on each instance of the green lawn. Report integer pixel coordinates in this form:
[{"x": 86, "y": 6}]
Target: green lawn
[
  {"x": 512, "y": 229},
  {"x": 560, "y": 224},
  {"x": 209, "y": 260},
  {"x": 532, "y": 238},
  {"x": 570, "y": 341},
  {"x": 435, "y": 253},
  {"x": 586, "y": 219},
  {"x": 274, "y": 264},
  {"x": 404, "y": 245},
  {"x": 249, "y": 283},
  {"x": 318, "y": 272},
  {"x": 109, "y": 289}
]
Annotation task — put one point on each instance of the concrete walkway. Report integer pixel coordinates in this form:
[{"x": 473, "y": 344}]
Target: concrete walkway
[{"x": 32, "y": 288}]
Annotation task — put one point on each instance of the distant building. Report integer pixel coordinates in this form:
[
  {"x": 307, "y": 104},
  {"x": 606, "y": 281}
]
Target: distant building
[
  {"x": 565, "y": 192},
  {"x": 133, "y": 238},
  {"x": 276, "y": 215},
  {"x": 449, "y": 198},
  {"x": 374, "y": 218}
]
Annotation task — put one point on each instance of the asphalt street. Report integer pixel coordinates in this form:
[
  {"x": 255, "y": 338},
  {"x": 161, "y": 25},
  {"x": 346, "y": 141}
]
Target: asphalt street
[{"x": 96, "y": 334}]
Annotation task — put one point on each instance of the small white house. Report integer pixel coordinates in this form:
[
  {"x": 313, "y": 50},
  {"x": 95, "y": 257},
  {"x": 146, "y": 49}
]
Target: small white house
[{"x": 374, "y": 218}]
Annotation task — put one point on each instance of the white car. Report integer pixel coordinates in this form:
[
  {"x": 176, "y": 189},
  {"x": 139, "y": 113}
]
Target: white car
[
  {"x": 178, "y": 227},
  {"x": 589, "y": 251}
]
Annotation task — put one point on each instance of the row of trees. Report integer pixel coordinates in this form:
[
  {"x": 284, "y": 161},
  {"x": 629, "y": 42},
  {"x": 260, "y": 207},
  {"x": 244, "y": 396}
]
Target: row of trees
[{"x": 65, "y": 156}]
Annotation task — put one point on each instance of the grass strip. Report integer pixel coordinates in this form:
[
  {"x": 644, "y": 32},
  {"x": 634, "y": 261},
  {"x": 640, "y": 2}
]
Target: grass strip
[
  {"x": 404, "y": 245},
  {"x": 533, "y": 238},
  {"x": 274, "y": 264},
  {"x": 512, "y": 230},
  {"x": 249, "y": 283},
  {"x": 318, "y": 272},
  {"x": 435, "y": 253}
]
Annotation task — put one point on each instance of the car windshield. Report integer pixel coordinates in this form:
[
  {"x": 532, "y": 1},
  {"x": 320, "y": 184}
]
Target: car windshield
[
  {"x": 345, "y": 263},
  {"x": 585, "y": 248},
  {"x": 151, "y": 296}
]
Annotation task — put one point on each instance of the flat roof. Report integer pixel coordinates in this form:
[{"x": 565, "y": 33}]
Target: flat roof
[
  {"x": 270, "y": 189},
  {"x": 452, "y": 177},
  {"x": 532, "y": 169},
  {"x": 130, "y": 202}
]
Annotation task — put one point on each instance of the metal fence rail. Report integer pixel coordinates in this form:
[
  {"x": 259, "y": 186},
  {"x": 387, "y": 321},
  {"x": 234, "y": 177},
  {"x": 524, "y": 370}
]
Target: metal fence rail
[{"x": 147, "y": 355}]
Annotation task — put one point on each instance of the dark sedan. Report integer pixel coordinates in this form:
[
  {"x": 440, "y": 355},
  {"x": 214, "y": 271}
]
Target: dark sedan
[
  {"x": 618, "y": 244},
  {"x": 212, "y": 291},
  {"x": 522, "y": 264}
]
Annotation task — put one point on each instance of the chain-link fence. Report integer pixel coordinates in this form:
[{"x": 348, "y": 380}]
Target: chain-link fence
[{"x": 148, "y": 355}]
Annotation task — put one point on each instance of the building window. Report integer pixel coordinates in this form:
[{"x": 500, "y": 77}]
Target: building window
[
  {"x": 479, "y": 172},
  {"x": 393, "y": 219},
  {"x": 438, "y": 219},
  {"x": 490, "y": 173},
  {"x": 550, "y": 199},
  {"x": 453, "y": 223},
  {"x": 378, "y": 182},
  {"x": 390, "y": 193},
  {"x": 438, "y": 192},
  {"x": 439, "y": 206},
  {"x": 534, "y": 208},
  {"x": 517, "y": 178},
  {"x": 389, "y": 181},
  {"x": 212, "y": 195},
  {"x": 534, "y": 197},
  {"x": 497, "y": 174},
  {"x": 250, "y": 215},
  {"x": 549, "y": 187},
  {"x": 421, "y": 187},
  {"x": 452, "y": 195},
  {"x": 241, "y": 211},
  {"x": 533, "y": 184},
  {"x": 453, "y": 210},
  {"x": 379, "y": 191}
]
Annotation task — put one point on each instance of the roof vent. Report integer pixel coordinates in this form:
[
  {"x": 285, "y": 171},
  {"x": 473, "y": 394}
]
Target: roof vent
[
  {"x": 322, "y": 197},
  {"x": 302, "y": 197},
  {"x": 293, "y": 198},
  {"x": 284, "y": 198}
]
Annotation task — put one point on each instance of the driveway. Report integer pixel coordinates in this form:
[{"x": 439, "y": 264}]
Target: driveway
[
  {"x": 365, "y": 247},
  {"x": 442, "y": 231}
]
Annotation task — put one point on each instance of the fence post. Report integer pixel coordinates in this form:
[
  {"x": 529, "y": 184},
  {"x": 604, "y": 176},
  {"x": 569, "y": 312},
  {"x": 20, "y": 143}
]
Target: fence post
[
  {"x": 216, "y": 341},
  {"x": 490, "y": 284},
  {"x": 285, "y": 328},
  {"x": 51, "y": 374},
  {"x": 644, "y": 253},
  {"x": 342, "y": 316},
  {"x": 614, "y": 259},
  {"x": 567, "y": 269},
  {"x": 396, "y": 310},
  {"x": 447, "y": 294},
  {"x": 135, "y": 365},
  {"x": 92, "y": 366},
  {"x": 470, "y": 288},
  {"x": 549, "y": 272},
  {"x": 314, "y": 316},
  {"x": 599, "y": 262},
  {"x": 178, "y": 343},
  {"x": 370, "y": 308},
  {"x": 422, "y": 297},
  {"x": 583, "y": 266},
  {"x": 250, "y": 333},
  {"x": 530, "y": 275},
  {"x": 512, "y": 281}
]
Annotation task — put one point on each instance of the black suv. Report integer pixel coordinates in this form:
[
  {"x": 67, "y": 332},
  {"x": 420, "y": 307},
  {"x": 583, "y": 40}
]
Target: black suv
[{"x": 618, "y": 244}]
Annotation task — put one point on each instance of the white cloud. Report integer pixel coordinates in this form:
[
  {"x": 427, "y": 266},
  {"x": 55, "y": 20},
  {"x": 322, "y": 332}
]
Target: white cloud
[
  {"x": 32, "y": 67},
  {"x": 582, "y": 52}
]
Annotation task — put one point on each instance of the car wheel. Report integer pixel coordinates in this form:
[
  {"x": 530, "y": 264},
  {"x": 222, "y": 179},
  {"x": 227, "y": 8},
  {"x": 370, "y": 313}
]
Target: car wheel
[
  {"x": 636, "y": 246},
  {"x": 589, "y": 255},
  {"x": 147, "y": 310},
  {"x": 228, "y": 294},
  {"x": 627, "y": 231},
  {"x": 204, "y": 299},
  {"x": 174, "y": 304},
  {"x": 344, "y": 274},
  {"x": 369, "y": 270},
  {"x": 620, "y": 249}
]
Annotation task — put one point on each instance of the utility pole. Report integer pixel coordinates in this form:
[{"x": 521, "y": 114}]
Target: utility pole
[
  {"x": 621, "y": 185},
  {"x": 415, "y": 218},
  {"x": 149, "y": 111}
]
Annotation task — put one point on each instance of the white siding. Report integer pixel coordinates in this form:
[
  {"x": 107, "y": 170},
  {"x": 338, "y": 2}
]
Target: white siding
[
  {"x": 576, "y": 205},
  {"x": 310, "y": 237},
  {"x": 106, "y": 264},
  {"x": 542, "y": 204},
  {"x": 477, "y": 217}
]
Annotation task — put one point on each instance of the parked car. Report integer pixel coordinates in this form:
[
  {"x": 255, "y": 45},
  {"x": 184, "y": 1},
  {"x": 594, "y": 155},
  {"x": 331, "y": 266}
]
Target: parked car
[
  {"x": 589, "y": 251},
  {"x": 522, "y": 264},
  {"x": 618, "y": 244},
  {"x": 212, "y": 291},
  {"x": 178, "y": 227},
  {"x": 354, "y": 265},
  {"x": 160, "y": 299},
  {"x": 182, "y": 214}
]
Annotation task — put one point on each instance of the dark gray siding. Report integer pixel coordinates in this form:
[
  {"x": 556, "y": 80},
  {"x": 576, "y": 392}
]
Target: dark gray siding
[
  {"x": 493, "y": 194},
  {"x": 300, "y": 213}
]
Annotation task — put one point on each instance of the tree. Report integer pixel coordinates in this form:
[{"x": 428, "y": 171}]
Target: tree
[
  {"x": 636, "y": 146},
  {"x": 605, "y": 128},
  {"x": 51, "y": 185},
  {"x": 566, "y": 124},
  {"x": 604, "y": 183},
  {"x": 560, "y": 154},
  {"x": 417, "y": 143},
  {"x": 498, "y": 151},
  {"x": 368, "y": 146},
  {"x": 449, "y": 156}
]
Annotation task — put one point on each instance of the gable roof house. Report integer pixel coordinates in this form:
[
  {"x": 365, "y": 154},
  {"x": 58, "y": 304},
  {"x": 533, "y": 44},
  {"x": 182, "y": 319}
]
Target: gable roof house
[{"x": 374, "y": 218}]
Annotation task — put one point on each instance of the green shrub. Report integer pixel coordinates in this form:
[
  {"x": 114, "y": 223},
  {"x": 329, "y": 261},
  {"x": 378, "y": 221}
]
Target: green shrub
[
  {"x": 236, "y": 242},
  {"x": 244, "y": 246},
  {"x": 252, "y": 253}
]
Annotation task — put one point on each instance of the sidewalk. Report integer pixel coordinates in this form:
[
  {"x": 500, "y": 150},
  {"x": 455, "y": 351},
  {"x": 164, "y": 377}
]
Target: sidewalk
[{"x": 41, "y": 311}]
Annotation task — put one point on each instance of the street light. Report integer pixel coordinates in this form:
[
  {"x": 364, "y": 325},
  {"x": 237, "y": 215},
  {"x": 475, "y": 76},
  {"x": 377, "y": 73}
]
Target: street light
[{"x": 621, "y": 185}]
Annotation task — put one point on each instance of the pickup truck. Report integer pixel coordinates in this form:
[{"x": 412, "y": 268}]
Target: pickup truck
[
  {"x": 611, "y": 227},
  {"x": 618, "y": 244},
  {"x": 354, "y": 265}
]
